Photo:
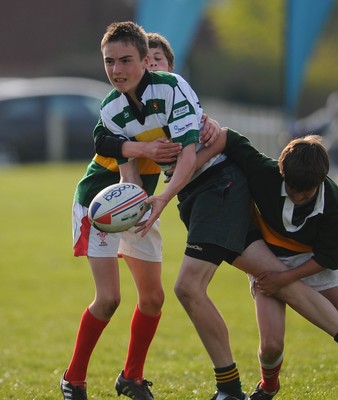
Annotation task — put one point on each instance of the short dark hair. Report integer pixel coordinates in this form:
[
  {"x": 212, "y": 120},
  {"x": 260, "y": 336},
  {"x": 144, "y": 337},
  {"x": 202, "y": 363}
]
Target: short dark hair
[
  {"x": 156, "y": 40},
  {"x": 127, "y": 32},
  {"x": 304, "y": 163}
]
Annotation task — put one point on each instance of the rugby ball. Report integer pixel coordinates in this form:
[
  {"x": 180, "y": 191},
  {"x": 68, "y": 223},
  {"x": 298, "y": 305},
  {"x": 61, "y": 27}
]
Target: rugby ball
[{"x": 117, "y": 207}]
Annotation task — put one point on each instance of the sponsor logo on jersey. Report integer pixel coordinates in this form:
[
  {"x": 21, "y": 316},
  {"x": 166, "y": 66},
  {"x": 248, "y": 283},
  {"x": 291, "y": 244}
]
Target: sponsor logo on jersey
[
  {"x": 180, "y": 129},
  {"x": 179, "y": 112}
]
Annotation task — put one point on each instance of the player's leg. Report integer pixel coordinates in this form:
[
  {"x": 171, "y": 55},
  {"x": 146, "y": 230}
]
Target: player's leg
[
  {"x": 147, "y": 278},
  {"x": 143, "y": 257},
  {"x": 331, "y": 295},
  {"x": 107, "y": 287},
  {"x": 215, "y": 209},
  {"x": 270, "y": 314},
  {"x": 147, "y": 314},
  {"x": 257, "y": 258},
  {"x": 101, "y": 249},
  {"x": 96, "y": 316},
  {"x": 191, "y": 290}
]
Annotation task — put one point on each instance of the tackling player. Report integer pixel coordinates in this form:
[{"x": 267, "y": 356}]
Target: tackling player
[{"x": 296, "y": 210}]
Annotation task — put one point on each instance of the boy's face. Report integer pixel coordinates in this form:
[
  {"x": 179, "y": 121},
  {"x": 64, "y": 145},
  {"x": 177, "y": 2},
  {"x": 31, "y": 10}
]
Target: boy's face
[
  {"x": 300, "y": 198},
  {"x": 157, "y": 60},
  {"x": 123, "y": 66}
]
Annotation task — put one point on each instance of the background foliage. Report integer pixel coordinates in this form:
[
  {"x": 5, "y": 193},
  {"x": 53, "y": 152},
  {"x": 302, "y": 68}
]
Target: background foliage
[
  {"x": 238, "y": 53},
  {"x": 248, "y": 57}
]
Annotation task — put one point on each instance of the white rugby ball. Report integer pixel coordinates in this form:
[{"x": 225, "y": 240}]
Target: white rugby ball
[{"x": 117, "y": 207}]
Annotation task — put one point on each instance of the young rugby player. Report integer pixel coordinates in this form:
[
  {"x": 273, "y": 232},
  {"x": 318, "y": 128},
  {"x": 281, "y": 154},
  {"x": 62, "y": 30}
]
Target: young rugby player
[
  {"x": 143, "y": 255},
  {"x": 296, "y": 209}
]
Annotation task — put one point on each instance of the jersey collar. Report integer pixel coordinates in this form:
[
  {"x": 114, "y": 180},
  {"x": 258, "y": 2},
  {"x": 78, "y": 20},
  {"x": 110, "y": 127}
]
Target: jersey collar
[
  {"x": 289, "y": 208},
  {"x": 143, "y": 84}
]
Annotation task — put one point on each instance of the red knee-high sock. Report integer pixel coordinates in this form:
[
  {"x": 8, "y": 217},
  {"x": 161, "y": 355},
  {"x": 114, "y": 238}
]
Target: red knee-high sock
[
  {"x": 270, "y": 374},
  {"x": 142, "y": 331},
  {"x": 90, "y": 330}
]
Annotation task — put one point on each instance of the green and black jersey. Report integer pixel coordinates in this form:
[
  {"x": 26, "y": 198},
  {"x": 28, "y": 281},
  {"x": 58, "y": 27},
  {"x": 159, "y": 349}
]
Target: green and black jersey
[{"x": 285, "y": 226}]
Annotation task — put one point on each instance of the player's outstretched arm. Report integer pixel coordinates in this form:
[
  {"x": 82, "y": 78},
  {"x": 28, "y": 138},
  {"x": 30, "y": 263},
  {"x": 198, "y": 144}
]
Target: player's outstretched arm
[{"x": 185, "y": 167}]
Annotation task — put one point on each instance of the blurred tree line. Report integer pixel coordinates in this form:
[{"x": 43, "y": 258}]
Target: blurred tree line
[{"x": 246, "y": 62}]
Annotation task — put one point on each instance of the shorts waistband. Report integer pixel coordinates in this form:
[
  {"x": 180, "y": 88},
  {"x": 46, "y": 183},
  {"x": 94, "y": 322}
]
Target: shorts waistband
[{"x": 205, "y": 175}]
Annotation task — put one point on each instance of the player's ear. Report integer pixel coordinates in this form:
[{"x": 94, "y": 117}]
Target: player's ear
[{"x": 146, "y": 61}]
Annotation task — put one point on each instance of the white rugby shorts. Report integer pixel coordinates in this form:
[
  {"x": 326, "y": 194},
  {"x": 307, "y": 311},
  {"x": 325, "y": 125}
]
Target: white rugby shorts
[
  {"x": 323, "y": 280},
  {"x": 326, "y": 279},
  {"x": 88, "y": 241}
]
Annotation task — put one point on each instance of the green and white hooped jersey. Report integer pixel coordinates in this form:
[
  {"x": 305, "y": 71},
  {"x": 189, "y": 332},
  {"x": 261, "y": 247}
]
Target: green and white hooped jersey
[{"x": 170, "y": 109}]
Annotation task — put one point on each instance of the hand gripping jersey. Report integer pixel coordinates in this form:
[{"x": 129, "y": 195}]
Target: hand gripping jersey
[{"x": 170, "y": 109}]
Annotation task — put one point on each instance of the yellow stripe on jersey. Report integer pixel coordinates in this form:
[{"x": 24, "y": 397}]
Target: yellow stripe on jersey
[
  {"x": 107, "y": 162},
  {"x": 145, "y": 166},
  {"x": 275, "y": 238},
  {"x": 150, "y": 135}
]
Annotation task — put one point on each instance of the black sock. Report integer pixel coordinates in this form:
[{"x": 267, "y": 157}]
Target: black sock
[
  {"x": 336, "y": 337},
  {"x": 228, "y": 381}
]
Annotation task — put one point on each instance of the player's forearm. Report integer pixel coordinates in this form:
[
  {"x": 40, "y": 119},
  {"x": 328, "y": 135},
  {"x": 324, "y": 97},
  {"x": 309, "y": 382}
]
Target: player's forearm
[
  {"x": 129, "y": 173},
  {"x": 309, "y": 268},
  {"x": 184, "y": 170},
  {"x": 160, "y": 150},
  {"x": 109, "y": 146},
  {"x": 134, "y": 149},
  {"x": 186, "y": 165}
]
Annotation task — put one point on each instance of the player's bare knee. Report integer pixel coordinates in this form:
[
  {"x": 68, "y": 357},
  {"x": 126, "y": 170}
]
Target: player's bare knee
[
  {"x": 271, "y": 348},
  {"x": 183, "y": 293},
  {"x": 109, "y": 305},
  {"x": 152, "y": 303}
]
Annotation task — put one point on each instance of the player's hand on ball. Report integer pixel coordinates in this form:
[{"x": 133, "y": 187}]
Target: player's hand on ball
[
  {"x": 117, "y": 207},
  {"x": 158, "y": 203}
]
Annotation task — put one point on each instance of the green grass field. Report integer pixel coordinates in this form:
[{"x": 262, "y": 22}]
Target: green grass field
[{"x": 44, "y": 291}]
